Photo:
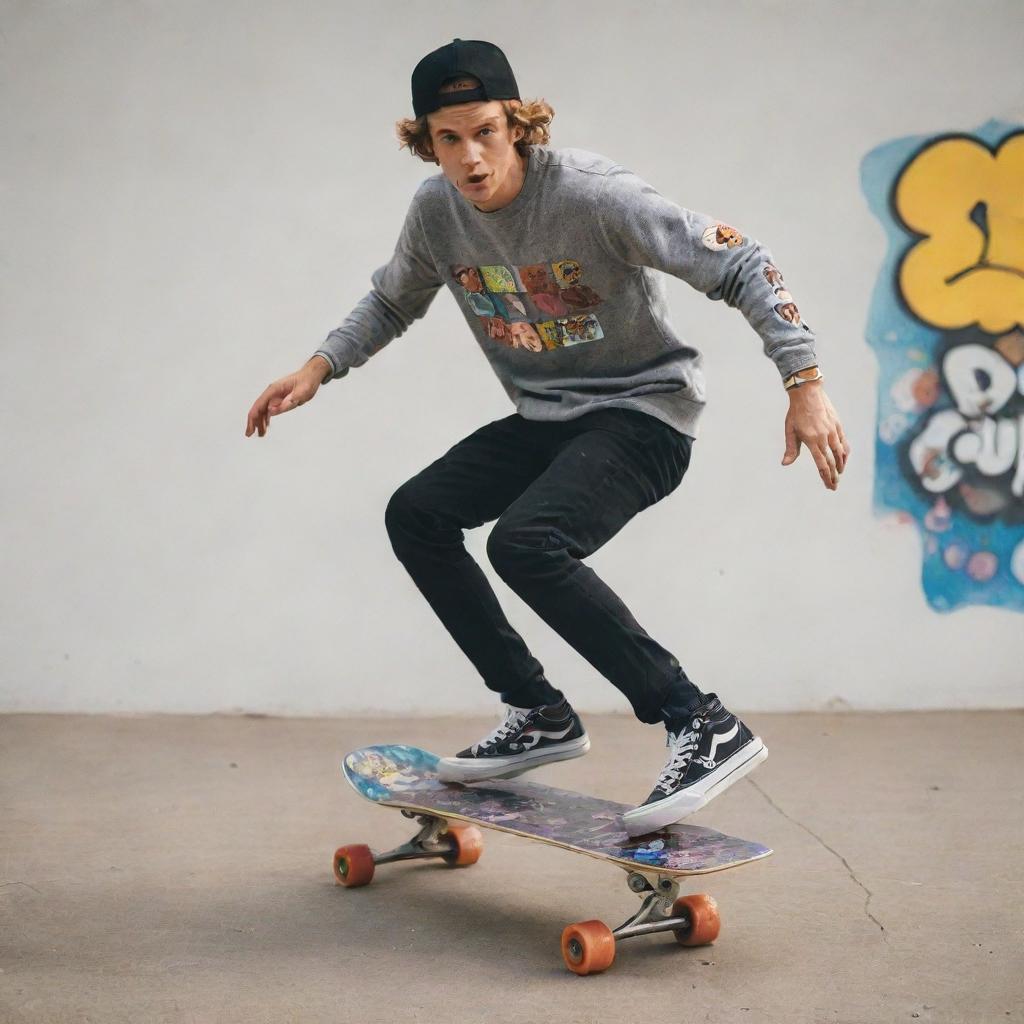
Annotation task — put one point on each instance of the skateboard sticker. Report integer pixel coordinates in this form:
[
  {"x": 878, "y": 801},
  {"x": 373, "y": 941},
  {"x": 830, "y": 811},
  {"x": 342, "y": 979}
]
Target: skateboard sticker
[{"x": 376, "y": 775}]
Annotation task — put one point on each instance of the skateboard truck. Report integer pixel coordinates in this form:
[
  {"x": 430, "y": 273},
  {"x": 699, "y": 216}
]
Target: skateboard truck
[
  {"x": 428, "y": 842},
  {"x": 456, "y": 845},
  {"x": 661, "y": 911},
  {"x": 655, "y": 913},
  {"x": 589, "y": 946}
]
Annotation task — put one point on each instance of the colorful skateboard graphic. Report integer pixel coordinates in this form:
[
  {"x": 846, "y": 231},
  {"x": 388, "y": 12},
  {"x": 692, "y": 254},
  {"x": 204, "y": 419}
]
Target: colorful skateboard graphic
[{"x": 449, "y": 813}]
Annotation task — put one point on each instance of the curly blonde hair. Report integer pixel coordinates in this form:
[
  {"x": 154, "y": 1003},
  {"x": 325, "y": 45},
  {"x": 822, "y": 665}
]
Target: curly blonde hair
[{"x": 533, "y": 117}]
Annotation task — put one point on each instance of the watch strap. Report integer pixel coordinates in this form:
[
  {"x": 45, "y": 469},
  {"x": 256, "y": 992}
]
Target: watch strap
[{"x": 802, "y": 377}]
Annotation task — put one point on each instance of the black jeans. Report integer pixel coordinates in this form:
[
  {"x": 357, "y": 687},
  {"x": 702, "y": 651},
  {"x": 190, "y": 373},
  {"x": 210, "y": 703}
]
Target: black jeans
[{"x": 559, "y": 491}]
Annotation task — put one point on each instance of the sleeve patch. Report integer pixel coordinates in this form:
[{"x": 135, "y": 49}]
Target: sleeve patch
[{"x": 721, "y": 236}]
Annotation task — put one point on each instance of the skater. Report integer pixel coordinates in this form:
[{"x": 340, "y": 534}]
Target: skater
[{"x": 552, "y": 256}]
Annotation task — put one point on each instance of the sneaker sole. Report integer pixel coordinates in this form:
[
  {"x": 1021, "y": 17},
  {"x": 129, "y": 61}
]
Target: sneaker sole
[
  {"x": 464, "y": 769},
  {"x": 638, "y": 822}
]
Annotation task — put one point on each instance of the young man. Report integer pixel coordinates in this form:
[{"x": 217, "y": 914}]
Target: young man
[{"x": 552, "y": 256}]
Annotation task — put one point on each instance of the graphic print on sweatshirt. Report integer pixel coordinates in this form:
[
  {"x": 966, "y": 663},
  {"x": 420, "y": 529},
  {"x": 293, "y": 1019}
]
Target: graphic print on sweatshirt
[
  {"x": 786, "y": 307},
  {"x": 537, "y": 306},
  {"x": 720, "y": 237}
]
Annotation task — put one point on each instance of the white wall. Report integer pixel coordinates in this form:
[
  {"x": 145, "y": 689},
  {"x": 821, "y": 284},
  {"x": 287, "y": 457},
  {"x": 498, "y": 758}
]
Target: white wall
[{"x": 195, "y": 193}]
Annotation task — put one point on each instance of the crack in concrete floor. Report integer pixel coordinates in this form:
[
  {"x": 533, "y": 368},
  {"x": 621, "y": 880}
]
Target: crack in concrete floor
[
  {"x": 835, "y": 853},
  {"x": 27, "y": 886}
]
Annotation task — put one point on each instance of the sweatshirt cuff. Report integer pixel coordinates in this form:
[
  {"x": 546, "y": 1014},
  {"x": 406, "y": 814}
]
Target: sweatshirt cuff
[
  {"x": 331, "y": 363},
  {"x": 796, "y": 358}
]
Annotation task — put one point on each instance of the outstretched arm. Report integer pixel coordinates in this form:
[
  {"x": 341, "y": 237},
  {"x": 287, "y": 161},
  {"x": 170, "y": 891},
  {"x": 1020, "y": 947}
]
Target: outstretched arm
[
  {"x": 641, "y": 227},
  {"x": 403, "y": 289}
]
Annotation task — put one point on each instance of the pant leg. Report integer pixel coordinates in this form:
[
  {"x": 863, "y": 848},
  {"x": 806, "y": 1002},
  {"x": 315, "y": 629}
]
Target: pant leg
[
  {"x": 614, "y": 464},
  {"x": 471, "y": 484}
]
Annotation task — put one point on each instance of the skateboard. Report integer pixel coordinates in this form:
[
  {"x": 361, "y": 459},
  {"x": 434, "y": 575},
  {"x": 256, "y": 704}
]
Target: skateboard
[{"x": 449, "y": 812}]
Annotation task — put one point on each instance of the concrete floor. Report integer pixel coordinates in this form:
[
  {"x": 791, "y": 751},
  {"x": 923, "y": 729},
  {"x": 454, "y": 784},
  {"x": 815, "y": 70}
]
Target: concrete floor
[{"x": 179, "y": 869}]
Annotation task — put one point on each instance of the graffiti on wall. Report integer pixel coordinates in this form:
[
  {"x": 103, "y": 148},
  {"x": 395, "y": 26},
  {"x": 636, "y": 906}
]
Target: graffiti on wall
[{"x": 947, "y": 326}]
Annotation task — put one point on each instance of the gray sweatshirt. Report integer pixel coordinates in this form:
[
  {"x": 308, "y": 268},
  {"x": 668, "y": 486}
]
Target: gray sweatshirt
[{"x": 562, "y": 289}]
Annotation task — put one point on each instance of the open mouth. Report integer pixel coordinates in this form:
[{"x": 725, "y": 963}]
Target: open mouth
[{"x": 475, "y": 179}]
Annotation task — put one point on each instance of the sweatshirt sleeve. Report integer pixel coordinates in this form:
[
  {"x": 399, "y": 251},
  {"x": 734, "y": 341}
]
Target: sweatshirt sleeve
[
  {"x": 641, "y": 227},
  {"x": 402, "y": 291}
]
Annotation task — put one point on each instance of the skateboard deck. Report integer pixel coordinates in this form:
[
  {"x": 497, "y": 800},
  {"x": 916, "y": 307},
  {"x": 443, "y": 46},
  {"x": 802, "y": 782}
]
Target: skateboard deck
[{"x": 406, "y": 777}]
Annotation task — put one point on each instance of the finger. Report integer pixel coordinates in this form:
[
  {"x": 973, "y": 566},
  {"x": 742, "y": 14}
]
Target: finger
[
  {"x": 259, "y": 412},
  {"x": 826, "y": 466},
  {"x": 792, "y": 447},
  {"x": 834, "y": 469},
  {"x": 837, "y": 451},
  {"x": 833, "y": 466},
  {"x": 845, "y": 443}
]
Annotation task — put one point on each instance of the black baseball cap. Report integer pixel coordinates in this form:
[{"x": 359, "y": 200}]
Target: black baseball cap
[{"x": 484, "y": 61}]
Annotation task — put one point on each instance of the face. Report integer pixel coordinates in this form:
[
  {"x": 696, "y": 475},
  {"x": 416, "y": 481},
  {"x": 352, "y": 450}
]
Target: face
[
  {"x": 536, "y": 279},
  {"x": 470, "y": 280},
  {"x": 477, "y": 152}
]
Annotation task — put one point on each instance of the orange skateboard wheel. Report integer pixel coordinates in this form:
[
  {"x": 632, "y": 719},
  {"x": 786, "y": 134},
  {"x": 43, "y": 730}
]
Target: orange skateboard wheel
[
  {"x": 588, "y": 947},
  {"x": 353, "y": 866},
  {"x": 705, "y": 923},
  {"x": 469, "y": 844}
]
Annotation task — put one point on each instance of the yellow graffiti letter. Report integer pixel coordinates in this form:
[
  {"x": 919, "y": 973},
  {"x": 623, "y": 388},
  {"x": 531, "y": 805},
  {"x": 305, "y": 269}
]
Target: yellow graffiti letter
[{"x": 969, "y": 205}]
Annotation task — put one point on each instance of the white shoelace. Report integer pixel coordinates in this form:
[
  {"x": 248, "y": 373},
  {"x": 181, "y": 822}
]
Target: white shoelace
[
  {"x": 514, "y": 718},
  {"x": 683, "y": 744}
]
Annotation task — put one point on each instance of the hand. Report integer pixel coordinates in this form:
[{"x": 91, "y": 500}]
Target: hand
[
  {"x": 812, "y": 421},
  {"x": 284, "y": 395}
]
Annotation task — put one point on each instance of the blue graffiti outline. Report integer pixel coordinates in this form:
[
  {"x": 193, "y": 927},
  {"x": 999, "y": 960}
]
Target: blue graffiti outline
[{"x": 895, "y": 335}]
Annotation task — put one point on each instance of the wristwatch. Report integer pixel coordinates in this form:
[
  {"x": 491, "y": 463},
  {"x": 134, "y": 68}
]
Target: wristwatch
[{"x": 802, "y": 377}]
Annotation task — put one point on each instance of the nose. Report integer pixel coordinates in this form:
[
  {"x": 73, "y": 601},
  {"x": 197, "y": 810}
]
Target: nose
[{"x": 471, "y": 156}]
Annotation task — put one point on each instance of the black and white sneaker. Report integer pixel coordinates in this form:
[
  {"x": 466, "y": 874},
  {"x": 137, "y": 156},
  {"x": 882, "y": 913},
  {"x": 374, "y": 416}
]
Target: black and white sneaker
[
  {"x": 710, "y": 751},
  {"x": 526, "y": 738}
]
